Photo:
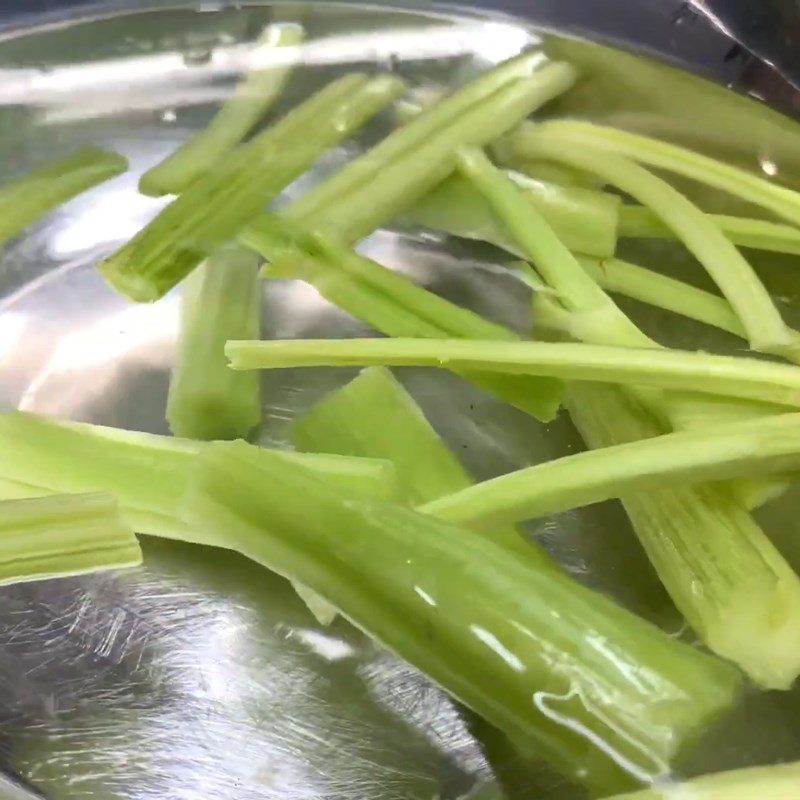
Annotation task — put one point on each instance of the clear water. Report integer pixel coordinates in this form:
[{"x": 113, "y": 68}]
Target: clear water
[{"x": 200, "y": 675}]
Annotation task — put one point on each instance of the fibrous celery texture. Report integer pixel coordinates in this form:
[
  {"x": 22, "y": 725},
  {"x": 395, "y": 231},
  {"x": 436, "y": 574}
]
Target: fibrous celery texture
[
  {"x": 221, "y": 300},
  {"x": 67, "y": 534},
  {"x": 604, "y": 696},
  {"x": 238, "y": 114}
]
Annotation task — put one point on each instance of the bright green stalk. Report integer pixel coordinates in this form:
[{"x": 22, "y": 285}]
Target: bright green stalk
[
  {"x": 252, "y": 99},
  {"x": 766, "y": 329},
  {"x": 765, "y": 445},
  {"x": 408, "y": 138},
  {"x": 30, "y": 196},
  {"x": 604, "y": 696},
  {"x": 220, "y": 301},
  {"x": 724, "y": 575},
  {"x": 147, "y": 473},
  {"x": 222, "y": 201},
  {"x": 639, "y": 222},
  {"x": 52, "y": 537},
  {"x": 584, "y": 219},
  {"x": 776, "y": 782},
  {"x": 749, "y": 378}
]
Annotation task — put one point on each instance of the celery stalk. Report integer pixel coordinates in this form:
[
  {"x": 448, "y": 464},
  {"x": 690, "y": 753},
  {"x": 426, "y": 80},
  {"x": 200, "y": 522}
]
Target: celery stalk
[
  {"x": 25, "y": 199},
  {"x": 748, "y": 378},
  {"x": 252, "y": 99},
  {"x": 70, "y": 534},
  {"x": 222, "y": 201},
  {"x": 220, "y": 301},
  {"x": 776, "y": 782},
  {"x": 722, "y": 572},
  {"x": 604, "y": 696}
]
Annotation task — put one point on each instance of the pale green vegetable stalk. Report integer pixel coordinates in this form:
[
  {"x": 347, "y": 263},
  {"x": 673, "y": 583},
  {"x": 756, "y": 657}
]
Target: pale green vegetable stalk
[
  {"x": 221, "y": 300},
  {"x": 147, "y": 473},
  {"x": 253, "y": 97},
  {"x": 25, "y": 199},
  {"x": 776, "y": 782},
  {"x": 70, "y": 534},
  {"x": 222, "y": 201},
  {"x": 604, "y": 696},
  {"x": 721, "y": 571},
  {"x": 749, "y": 378}
]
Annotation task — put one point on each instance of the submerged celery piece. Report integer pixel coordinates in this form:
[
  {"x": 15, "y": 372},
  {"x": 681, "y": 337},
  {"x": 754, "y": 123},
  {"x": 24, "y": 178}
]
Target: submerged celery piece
[
  {"x": 252, "y": 99},
  {"x": 724, "y": 575},
  {"x": 147, "y": 473},
  {"x": 776, "y": 782},
  {"x": 220, "y": 301},
  {"x": 223, "y": 200},
  {"x": 28, "y": 197},
  {"x": 749, "y": 378},
  {"x": 604, "y": 696},
  {"x": 68, "y": 534}
]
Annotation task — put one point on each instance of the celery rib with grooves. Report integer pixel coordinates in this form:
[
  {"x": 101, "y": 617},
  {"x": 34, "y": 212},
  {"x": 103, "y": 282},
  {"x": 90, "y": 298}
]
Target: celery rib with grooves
[
  {"x": 220, "y": 301},
  {"x": 747, "y": 378},
  {"x": 251, "y": 100},
  {"x": 222, "y": 201},
  {"x": 25, "y": 199},
  {"x": 61, "y": 535},
  {"x": 604, "y": 696}
]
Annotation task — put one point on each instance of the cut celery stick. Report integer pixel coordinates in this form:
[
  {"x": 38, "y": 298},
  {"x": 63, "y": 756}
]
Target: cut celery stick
[
  {"x": 776, "y": 782},
  {"x": 765, "y": 445},
  {"x": 749, "y": 378},
  {"x": 30, "y": 196},
  {"x": 408, "y": 138},
  {"x": 146, "y": 472},
  {"x": 585, "y": 220},
  {"x": 220, "y": 301},
  {"x": 724, "y": 575},
  {"x": 604, "y": 696},
  {"x": 639, "y": 222},
  {"x": 766, "y": 329},
  {"x": 234, "y": 120},
  {"x": 219, "y": 203},
  {"x": 71, "y": 534}
]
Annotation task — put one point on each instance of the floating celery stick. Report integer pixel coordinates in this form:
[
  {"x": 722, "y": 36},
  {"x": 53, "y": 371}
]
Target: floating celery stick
[
  {"x": 750, "y": 378},
  {"x": 766, "y": 329},
  {"x": 585, "y": 220},
  {"x": 604, "y": 696},
  {"x": 724, "y": 575},
  {"x": 251, "y": 100},
  {"x": 146, "y": 472},
  {"x": 219, "y": 203},
  {"x": 220, "y": 301},
  {"x": 757, "y": 234},
  {"x": 68, "y": 534},
  {"x": 30, "y": 196},
  {"x": 776, "y": 782},
  {"x": 768, "y": 444}
]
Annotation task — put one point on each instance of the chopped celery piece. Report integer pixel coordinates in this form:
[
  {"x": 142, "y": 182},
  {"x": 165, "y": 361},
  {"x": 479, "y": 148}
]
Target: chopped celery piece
[
  {"x": 584, "y": 219},
  {"x": 724, "y": 575},
  {"x": 68, "y": 534},
  {"x": 604, "y": 696},
  {"x": 28, "y": 197},
  {"x": 220, "y": 301},
  {"x": 147, "y": 473},
  {"x": 252, "y": 99},
  {"x": 765, "y": 445},
  {"x": 411, "y": 136},
  {"x": 223, "y": 200},
  {"x": 749, "y": 378},
  {"x": 757, "y": 234},
  {"x": 776, "y": 782},
  {"x": 766, "y": 329}
]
